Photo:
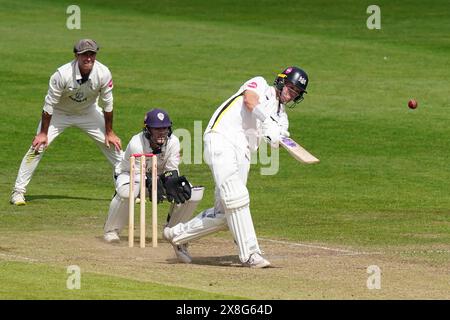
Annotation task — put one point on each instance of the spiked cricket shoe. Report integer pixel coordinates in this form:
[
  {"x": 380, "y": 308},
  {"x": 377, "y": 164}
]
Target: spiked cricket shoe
[
  {"x": 17, "y": 198},
  {"x": 182, "y": 253},
  {"x": 111, "y": 237},
  {"x": 256, "y": 261}
]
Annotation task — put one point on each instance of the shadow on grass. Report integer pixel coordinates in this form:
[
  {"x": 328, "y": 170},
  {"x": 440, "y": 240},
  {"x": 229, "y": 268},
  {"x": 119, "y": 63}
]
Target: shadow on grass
[
  {"x": 224, "y": 261},
  {"x": 30, "y": 198}
]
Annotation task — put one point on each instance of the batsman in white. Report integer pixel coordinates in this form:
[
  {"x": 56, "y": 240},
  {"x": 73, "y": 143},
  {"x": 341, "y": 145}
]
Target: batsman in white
[
  {"x": 256, "y": 110},
  {"x": 156, "y": 138},
  {"x": 72, "y": 100}
]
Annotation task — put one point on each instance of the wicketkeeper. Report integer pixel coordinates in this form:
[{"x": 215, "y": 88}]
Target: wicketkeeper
[
  {"x": 255, "y": 110},
  {"x": 157, "y": 138}
]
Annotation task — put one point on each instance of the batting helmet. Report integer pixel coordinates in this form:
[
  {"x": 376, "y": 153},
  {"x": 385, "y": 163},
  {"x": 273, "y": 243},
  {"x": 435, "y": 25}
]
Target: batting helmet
[{"x": 297, "y": 77}]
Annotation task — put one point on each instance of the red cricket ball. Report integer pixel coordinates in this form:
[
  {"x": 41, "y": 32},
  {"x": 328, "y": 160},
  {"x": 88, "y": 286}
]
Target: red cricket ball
[{"x": 412, "y": 104}]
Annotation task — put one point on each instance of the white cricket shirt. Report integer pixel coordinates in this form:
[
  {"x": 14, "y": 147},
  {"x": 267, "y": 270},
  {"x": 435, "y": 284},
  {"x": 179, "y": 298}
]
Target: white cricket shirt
[
  {"x": 168, "y": 159},
  {"x": 233, "y": 120},
  {"x": 67, "y": 94}
]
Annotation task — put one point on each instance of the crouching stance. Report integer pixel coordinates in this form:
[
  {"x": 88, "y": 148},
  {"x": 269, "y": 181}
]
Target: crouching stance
[{"x": 156, "y": 138}]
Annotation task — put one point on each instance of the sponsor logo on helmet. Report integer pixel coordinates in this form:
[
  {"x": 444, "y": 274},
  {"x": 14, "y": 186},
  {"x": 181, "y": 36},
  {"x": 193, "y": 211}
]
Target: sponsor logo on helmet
[
  {"x": 288, "y": 70},
  {"x": 302, "y": 80},
  {"x": 160, "y": 116},
  {"x": 252, "y": 85}
]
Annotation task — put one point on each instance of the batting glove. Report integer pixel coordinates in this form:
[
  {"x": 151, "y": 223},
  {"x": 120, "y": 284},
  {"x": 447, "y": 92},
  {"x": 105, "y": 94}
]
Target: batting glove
[{"x": 271, "y": 132}]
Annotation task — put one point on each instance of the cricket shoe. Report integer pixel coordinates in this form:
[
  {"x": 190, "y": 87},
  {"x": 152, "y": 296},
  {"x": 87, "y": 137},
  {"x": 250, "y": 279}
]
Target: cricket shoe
[
  {"x": 17, "y": 198},
  {"x": 111, "y": 237},
  {"x": 182, "y": 253},
  {"x": 256, "y": 261}
]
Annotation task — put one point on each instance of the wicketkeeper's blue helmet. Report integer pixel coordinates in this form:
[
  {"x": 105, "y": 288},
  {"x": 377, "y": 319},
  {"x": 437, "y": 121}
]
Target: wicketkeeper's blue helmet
[{"x": 156, "y": 118}]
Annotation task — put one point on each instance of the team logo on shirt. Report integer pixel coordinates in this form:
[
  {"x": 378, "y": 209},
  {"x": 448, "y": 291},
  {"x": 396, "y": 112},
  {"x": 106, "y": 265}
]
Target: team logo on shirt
[
  {"x": 160, "y": 116},
  {"x": 78, "y": 97},
  {"x": 252, "y": 85},
  {"x": 110, "y": 83}
]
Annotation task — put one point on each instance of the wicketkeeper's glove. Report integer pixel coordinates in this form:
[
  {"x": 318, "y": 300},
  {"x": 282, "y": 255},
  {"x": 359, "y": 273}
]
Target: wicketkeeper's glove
[
  {"x": 177, "y": 188},
  {"x": 161, "y": 193}
]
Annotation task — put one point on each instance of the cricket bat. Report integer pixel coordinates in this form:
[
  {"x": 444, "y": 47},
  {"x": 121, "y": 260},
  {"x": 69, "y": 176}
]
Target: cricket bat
[{"x": 297, "y": 151}]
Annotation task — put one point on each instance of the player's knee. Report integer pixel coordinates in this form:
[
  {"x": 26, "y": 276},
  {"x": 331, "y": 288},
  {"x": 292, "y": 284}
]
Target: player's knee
[
  {"x": 234, "y": 193},
  {"x": 35, "y": 153},
  {"x": 123, "y": 191},
  {"x": 183, "y": 212}
]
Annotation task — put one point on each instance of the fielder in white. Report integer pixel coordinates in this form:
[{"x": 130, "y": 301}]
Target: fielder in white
[
  {"x": 156, "y": 138},
  {"x": 255, "y": 110},
  {"x": 72, "y": 100}
]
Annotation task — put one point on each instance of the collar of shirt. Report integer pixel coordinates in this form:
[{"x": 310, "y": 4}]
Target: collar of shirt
[{"x": 79, "y": 77}]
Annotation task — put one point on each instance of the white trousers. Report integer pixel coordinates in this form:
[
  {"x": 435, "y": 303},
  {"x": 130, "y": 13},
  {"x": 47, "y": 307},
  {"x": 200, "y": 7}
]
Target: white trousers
[
  {"x": 92, "y": 123},
  {"x": 226, "y": 161},
  {"x": 118, "y": 208}
]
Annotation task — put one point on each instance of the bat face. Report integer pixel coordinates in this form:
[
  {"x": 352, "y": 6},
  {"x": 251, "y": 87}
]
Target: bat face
[{"x": 297, "y": 151}]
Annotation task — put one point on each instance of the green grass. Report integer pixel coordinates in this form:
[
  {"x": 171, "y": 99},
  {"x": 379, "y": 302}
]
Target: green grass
[
  {"x": 383, "y": 174},
  {"x": 34, "y": 281}
]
